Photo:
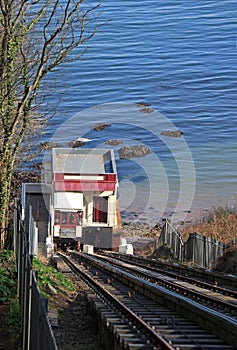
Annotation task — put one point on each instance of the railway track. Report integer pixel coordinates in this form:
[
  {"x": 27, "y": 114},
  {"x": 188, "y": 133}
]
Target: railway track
[
  {"x": 200, "y": 277},
  {"x": 219, "y": 298},
  {"x": 174, "y": 269},
  {"x": 139, "y": 314}
]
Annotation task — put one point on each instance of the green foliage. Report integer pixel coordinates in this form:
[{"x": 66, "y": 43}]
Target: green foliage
[
  {"x": 8, "y": 296},
  {"x": 7, "y": 276},
  {"x": 49, "y": 275},
  {"x": 12, "y": 324}
]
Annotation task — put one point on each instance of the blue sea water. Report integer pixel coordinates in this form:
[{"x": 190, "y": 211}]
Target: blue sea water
[{"x": 180, "y": 58}]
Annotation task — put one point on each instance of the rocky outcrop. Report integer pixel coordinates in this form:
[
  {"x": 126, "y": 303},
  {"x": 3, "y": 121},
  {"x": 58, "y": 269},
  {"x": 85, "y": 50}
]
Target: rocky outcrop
[
  {"x": 172, "y": 133},
  {"x": 75, "y": 144},
  {"x": 146, "y": 110},
  {"x": 49, "y": 145},
  {"x": 114, "y": 142},
  {"x": 101, "y": 126},
  {"x": 127, "y": 152},
  {"x": 143, "y": 104}
]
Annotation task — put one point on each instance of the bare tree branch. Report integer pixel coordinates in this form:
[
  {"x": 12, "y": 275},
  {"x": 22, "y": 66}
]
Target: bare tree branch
[{"x": 36, "y": 37}]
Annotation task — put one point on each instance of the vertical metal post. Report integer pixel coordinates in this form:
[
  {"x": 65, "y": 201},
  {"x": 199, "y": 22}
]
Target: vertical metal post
[
  {"x": 27, "y": 304},
  {"x": 29, "y": 309},
  {"x": 24, "y": 300},
  {"x": 35, "y": 315}
]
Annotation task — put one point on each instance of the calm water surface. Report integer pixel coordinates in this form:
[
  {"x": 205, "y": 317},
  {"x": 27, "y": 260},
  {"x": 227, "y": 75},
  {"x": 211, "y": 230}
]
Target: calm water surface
[{"x": 180, "y": 57}]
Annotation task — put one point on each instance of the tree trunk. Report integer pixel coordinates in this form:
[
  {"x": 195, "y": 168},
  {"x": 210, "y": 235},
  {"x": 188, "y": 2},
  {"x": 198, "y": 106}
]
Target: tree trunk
[
  {"x": 5, "y": 180},
  {"x": 35, "y": 39}
]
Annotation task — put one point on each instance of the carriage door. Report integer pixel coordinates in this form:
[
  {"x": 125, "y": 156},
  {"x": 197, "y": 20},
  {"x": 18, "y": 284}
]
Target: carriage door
[{"x": 100, "y": 209}]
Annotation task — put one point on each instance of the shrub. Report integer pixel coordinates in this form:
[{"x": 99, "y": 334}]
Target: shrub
[{"x": 7, "y": 276}]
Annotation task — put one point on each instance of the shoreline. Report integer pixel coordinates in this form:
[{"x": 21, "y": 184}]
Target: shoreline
[{"x": 218, "y": 221}]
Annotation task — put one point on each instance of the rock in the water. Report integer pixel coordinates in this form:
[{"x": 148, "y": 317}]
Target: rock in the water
[
  {"x": 75, "y": 144},
  {"x": 146, "y": 110},
  {"x": 172, "y": 133},
  {"x": 101, "y": 126},
  {"x": 127, "y": 152},
  {"x": 143, "y": 104},
  {"x": 114, "y": 142},
  {"x": 49, "y": 145}
]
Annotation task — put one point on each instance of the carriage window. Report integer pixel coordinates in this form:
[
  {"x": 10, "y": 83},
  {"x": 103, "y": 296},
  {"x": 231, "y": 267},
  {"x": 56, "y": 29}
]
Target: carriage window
[
  {"x": 67, "y": 218},
  {"x": 57, "y": 218},
  {"x": 64, "y": 218},
  {"x": 71, "y": 218}
]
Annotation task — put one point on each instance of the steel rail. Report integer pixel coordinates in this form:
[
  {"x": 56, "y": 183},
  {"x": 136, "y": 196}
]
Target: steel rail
[
  {"x": 216, "y": 277},
  {"x": 144, "y": 327},
  {"x": 219, "y": 324},
  {"x": 174, "y": 286},
  {"x": 202, "y": 284}
]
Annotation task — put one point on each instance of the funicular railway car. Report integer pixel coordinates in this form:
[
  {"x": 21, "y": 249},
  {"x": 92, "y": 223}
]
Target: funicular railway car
[
  {"x": 84, "y": 196},
  {"x": 80, "y": 189}
]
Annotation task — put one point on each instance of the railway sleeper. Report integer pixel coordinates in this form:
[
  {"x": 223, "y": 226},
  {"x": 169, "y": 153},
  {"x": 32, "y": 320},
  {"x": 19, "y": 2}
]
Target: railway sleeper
[
  {"x": 173, "y": 301},
  {"x": 185, "y": 307},
  {"x": 120, "y": 330}
]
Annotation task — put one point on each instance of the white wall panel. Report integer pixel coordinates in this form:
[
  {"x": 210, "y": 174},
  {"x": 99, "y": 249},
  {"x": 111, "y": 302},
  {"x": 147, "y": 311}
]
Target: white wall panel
[{"x": 68, "y": 200}]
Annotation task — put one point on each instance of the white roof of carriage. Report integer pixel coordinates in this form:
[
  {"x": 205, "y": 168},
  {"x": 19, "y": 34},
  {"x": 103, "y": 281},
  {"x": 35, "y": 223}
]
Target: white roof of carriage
[{"x": 83, "y": 161}]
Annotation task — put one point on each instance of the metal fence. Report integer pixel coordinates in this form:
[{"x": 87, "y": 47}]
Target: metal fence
[
  {"x": 36, "y": 329},
  {"x": 201, "y": 250},
  {"x": 172, "y": 238}
]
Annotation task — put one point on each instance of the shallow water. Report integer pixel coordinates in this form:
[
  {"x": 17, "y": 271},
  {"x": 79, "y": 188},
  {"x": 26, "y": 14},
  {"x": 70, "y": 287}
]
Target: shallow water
[{"x": 180, "y": 58}]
